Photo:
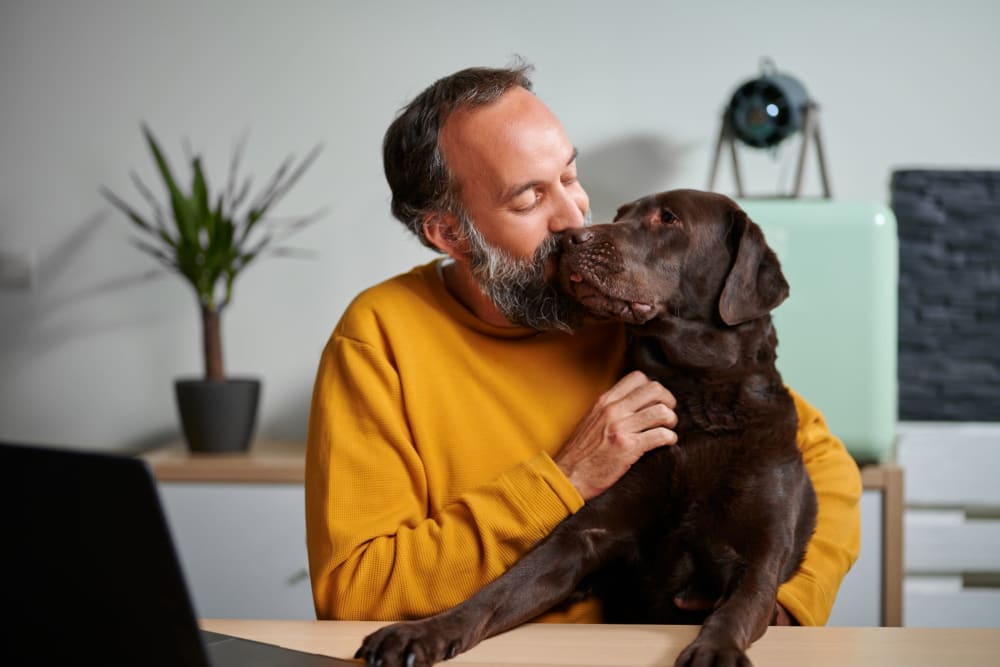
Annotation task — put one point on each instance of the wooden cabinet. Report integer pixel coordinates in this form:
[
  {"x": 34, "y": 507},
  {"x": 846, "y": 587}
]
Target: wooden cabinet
[
  {"x": 952, "y": 523},
  {"x": 242, "y": 547},
  {"x": 239, "y": 523}
]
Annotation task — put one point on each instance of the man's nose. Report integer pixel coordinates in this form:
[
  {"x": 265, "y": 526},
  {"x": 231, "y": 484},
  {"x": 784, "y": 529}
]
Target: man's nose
[{"x": 571, "y": 213}]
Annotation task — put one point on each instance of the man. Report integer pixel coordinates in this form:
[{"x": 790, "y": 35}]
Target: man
[{"x": 455, "y": 419}]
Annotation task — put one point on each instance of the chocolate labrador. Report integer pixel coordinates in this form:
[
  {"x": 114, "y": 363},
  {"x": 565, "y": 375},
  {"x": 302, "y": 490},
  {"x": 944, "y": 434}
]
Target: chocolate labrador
[{"x": 703, "y": 532}]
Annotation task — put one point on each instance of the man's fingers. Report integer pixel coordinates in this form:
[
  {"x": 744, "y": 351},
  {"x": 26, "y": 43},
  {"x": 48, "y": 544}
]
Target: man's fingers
[
  {"x": 656, "y": 437},
  {"x": 635, "y": 391},
  {"x": 660, "y": 414},
  {"x": 649, "y": 417},
  {"x": 648, "y": 394},
  {"x": 625, "y": 386},
  {"x": 633, "y": 417},
  {"x": 647, "y": 429}
]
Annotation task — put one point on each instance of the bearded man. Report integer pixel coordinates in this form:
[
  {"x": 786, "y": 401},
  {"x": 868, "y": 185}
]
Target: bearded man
[{"x": 463, "y": 409}]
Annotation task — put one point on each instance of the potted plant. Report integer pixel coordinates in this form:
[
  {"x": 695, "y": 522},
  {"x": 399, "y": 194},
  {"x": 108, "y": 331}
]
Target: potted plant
[{"x": 209, "y": 240}]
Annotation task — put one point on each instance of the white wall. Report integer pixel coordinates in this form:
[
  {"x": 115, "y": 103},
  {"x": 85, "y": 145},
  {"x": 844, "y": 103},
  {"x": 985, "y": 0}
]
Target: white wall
[{"x": 87, "y": 358}]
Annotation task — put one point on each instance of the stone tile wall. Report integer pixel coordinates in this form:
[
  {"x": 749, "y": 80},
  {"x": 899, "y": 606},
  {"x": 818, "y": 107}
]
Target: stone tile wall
[{"x": 949, "y": 294}]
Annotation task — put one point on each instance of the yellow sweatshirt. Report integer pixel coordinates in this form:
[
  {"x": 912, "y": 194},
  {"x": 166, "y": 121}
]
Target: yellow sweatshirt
[{"x": 429, "y": 469}]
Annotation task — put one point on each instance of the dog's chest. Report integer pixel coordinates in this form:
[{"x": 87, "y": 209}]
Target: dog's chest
[{"x": 710, "y": 505}]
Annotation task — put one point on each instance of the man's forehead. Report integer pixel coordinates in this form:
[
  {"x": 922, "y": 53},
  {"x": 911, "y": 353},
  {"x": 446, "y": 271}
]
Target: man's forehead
[{"x": 507, "y": 144}]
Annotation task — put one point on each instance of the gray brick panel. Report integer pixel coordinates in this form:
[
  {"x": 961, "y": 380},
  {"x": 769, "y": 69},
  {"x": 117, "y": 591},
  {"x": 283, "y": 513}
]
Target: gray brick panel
[{"x": 949, "y": 294}]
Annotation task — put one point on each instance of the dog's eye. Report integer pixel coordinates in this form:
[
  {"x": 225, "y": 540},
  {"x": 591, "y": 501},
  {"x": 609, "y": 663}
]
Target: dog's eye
[{"x": 667, "y": 217}]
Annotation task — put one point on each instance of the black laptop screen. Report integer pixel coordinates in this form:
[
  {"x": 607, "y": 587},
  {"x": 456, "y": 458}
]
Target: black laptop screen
[{"x": 91, "y": 573}]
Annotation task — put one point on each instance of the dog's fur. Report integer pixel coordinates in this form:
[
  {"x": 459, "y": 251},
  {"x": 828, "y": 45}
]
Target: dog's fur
[{"x": 722, "y": 517}]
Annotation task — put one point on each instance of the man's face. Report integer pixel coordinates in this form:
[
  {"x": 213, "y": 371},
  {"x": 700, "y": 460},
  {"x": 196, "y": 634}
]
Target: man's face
[{"x": 516, "y": 170}]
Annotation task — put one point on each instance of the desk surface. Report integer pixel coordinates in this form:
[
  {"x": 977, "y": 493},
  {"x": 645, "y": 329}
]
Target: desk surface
[{"x": 542, "y": 645}]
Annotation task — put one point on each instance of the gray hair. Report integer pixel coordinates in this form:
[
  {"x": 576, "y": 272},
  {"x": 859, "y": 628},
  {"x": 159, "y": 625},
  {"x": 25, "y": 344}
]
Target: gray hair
[{"x": 418, "y": 176}]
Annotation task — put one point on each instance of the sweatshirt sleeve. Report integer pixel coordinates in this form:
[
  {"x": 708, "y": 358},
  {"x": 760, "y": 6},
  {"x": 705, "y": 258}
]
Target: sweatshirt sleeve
[
  {"x": 375, "y": 550},
  {"x": 809, "y": 595}
]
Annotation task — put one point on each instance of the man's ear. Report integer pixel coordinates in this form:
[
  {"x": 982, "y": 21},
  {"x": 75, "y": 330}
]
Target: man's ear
[
  {"x": 445, "y": 232},
  {"x": 755, "y": 285}
]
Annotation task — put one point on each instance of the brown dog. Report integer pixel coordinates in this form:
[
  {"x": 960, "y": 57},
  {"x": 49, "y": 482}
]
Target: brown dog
[{"x": 723, "y": 517}]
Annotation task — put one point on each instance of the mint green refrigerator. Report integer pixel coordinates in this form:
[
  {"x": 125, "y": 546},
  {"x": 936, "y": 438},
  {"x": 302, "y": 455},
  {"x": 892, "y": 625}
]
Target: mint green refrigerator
[{"x": 837, "y": 331}]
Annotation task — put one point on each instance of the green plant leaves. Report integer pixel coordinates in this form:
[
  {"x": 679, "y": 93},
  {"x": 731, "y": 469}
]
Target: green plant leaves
[{"x": 213, "y": 244}]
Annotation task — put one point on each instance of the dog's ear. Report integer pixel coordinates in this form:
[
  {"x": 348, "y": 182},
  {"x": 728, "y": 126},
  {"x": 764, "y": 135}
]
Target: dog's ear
[
  {"x": 755, "y": 285},
  {"x": 624, "y": 210}
]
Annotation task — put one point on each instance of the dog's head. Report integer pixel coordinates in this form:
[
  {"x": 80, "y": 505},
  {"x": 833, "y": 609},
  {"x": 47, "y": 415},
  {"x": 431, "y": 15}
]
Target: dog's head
[{"x": 684, "y": 253}]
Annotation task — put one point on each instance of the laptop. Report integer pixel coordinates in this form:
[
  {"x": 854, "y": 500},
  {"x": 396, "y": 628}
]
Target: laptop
[{"x": 91, "y": 575}]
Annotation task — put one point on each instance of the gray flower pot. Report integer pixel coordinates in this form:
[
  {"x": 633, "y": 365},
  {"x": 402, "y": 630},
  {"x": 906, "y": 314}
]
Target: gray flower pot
[{"x": 218, "y": 416}]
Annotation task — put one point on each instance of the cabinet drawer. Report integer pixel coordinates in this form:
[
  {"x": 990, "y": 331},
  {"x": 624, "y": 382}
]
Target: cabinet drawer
[
  {"x": 948, "y": 541},
  {"x": 943, "y": 602},
  {"x": 951, "y": 523},
  {"x": 950, "y": 465}
]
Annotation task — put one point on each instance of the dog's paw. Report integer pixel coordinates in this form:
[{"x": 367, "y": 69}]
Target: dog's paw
[
  {"x": 703, "y": 653},
  {"x": 407, "y": 644}
]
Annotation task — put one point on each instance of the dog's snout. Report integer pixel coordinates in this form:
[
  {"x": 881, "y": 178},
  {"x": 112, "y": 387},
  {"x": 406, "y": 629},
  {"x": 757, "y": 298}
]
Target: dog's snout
[{"x": 578, "y": 236}]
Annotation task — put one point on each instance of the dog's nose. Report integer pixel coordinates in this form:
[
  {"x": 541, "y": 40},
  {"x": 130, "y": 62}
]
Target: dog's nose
[{"x": 577, "y": 236}]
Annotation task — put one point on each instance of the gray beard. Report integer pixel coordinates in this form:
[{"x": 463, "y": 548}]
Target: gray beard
[{"x": 518, "y": 287}]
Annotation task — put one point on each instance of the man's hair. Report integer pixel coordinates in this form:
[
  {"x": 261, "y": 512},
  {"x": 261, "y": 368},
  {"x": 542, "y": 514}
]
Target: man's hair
[{"x": 418, "y": 176}]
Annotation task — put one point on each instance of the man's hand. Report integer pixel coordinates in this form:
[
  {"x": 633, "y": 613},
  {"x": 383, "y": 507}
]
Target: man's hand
[{"x": 633, "y": 417}]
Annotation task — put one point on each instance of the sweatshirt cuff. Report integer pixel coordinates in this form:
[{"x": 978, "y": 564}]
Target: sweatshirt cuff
[
  {"x": 542, "y": 492},
  {"x": 805, "y": 599}
]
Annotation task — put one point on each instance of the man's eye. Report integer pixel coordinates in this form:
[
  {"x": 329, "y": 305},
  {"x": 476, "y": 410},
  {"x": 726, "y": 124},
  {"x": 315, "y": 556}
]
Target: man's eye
[{"x": 526, "y": 201}]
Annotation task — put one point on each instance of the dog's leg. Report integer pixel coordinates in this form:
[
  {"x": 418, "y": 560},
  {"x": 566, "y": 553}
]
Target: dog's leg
[
  {"x": 739, "y": 620},
  {"x": 545, "y": 576}
]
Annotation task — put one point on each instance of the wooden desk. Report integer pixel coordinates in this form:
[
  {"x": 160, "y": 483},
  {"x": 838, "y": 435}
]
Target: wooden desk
[{"x": 543, "y": 645}]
